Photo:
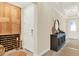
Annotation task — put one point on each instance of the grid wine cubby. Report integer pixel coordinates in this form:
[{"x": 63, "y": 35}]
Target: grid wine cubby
[{"x": 10, "y": 41}]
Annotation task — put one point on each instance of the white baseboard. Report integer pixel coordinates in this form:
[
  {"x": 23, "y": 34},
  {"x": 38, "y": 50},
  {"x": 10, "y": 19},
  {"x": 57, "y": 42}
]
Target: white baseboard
[{"x": 43, "y": 52}]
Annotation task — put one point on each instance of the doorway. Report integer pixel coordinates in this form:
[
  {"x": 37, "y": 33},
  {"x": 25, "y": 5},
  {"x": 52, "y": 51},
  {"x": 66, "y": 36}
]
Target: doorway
[{"x": 72, "y": 29}]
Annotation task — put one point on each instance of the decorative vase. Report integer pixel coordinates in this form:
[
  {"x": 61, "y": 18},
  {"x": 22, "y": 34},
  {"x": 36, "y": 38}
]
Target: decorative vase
[{"x": 55, "y": 28}]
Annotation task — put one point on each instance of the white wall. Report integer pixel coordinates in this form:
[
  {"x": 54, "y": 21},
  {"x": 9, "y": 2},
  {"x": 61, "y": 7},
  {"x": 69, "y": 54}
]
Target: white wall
[
  {"x": 41, "y": 16},
  {"x": 43, "y": 28},
  {"x": 62, "y": 20},
  {"x": 27, "y": 27},
  {"x": 46, "y": 15},
  {"x": 38, "y": 17}
]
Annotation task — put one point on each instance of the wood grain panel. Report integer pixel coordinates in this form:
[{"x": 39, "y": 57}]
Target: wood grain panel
[
  {"x": 0, "y": 27},
  {"x": 18, "y": 15},
  {"x": 15, "y": 28},
  {"x": 9, "y": 27},
  {"x": 4, "y": 27},
  {"x": 1, "y": 9},
  {"x": 15, "y": 14},
  {"x": 10, "y": 17},
  {"x": 7, "y": 10}
]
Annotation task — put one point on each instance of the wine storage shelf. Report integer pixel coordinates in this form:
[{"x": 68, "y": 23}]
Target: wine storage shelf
[{"x": 10, "y": 41}]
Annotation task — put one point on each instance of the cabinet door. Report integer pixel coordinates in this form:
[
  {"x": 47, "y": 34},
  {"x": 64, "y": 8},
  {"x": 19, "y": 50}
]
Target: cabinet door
[
  {"x": 15, "y": 28},
  {"x": 15, "y": 14},
  {"x": 15, "y": 17},
  {"x": 1, "y": 9},
  {"x": 7, "y": 11},
  {"x": 10, "y": 17},
  {"x": 0, "y": 27},
  {"x": 9, "y": 27}
]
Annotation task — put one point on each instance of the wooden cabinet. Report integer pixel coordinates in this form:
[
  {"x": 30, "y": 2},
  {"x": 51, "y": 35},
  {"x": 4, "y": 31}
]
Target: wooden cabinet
[
  {"x": 10, "y": 17},
  {"x": 57, "y": 41}
]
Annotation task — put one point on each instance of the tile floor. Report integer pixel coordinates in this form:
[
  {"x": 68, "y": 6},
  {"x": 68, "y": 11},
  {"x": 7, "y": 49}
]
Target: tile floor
[{"x": 71, "y": 48}]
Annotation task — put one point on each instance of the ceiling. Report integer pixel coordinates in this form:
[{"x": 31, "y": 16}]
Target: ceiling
[
  {"x": 68, "y": 9},
  {"x": 20, "y": 4}
]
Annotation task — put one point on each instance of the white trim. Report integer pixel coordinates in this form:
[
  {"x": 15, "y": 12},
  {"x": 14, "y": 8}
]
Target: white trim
[{"x": 44, "y": 52}]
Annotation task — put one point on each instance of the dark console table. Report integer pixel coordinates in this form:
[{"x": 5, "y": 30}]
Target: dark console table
[{"x": 57, "y": 40}]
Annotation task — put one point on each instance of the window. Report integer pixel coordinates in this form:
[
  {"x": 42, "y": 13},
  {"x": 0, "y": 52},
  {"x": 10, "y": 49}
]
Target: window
[{"x": 72, "y": 26}]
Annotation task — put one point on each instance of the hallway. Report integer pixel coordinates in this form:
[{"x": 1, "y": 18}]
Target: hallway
[{"x": 71, "y": 48}]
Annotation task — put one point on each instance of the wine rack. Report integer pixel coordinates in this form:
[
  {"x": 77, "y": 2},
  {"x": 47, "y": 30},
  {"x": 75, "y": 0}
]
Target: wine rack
[{"x": 10, "y": 41}]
